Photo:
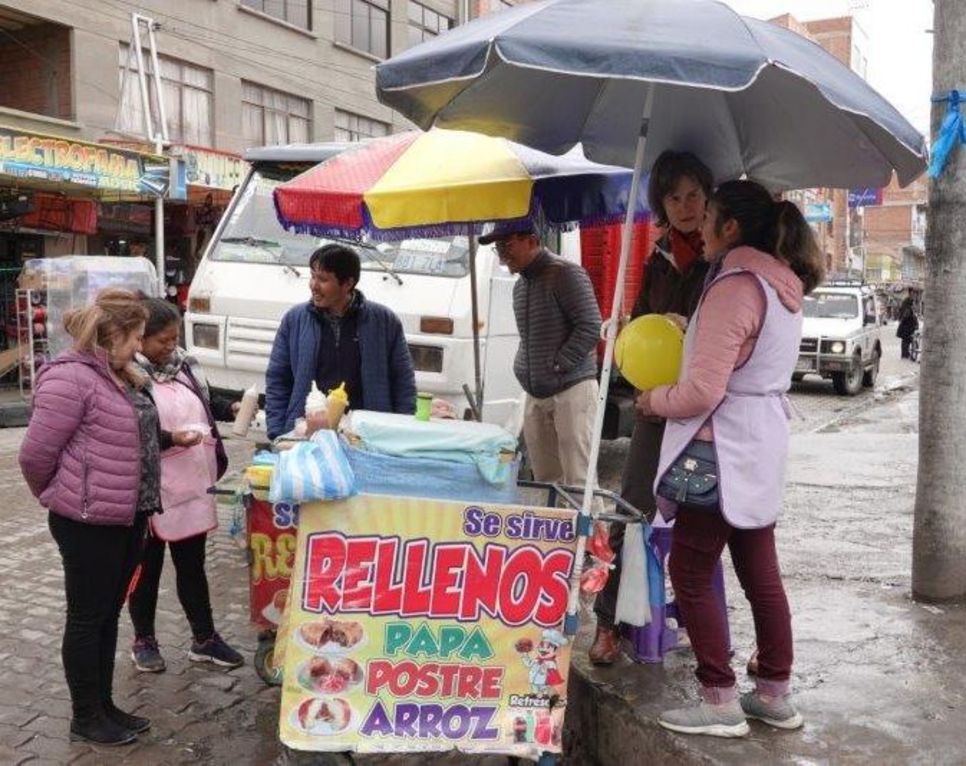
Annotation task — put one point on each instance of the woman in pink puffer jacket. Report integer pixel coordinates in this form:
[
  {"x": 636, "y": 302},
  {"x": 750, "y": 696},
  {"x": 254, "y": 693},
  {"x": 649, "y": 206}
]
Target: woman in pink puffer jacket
[{"x": 90, "y": 456}]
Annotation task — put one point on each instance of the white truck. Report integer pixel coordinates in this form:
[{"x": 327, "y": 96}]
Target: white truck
[
  {"x": 253, "y": 271},
  {"x": 840, "y": 336}
]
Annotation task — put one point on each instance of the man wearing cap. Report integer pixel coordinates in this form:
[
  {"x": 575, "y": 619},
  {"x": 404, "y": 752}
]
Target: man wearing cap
[{"x": 559, "y": 324}]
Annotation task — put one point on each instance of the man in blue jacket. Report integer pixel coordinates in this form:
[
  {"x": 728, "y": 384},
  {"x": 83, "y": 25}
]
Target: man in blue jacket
[{"x": 338, "y": 336}]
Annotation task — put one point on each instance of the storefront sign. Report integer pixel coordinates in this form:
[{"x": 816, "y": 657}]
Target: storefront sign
[
  {"x": 818, "y": 212},
  {"x": 215, "y": 170},
  {"x": 865, "y": 197},
  {"x": 95, "y": 166},
  {"x": 424, "y": 625}
]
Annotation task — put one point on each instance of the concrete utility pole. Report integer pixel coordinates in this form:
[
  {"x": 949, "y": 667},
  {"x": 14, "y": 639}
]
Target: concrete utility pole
[{"x": 939, "y": 539}]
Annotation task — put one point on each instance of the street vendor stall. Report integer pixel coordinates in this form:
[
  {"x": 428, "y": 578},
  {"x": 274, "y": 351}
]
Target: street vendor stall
[
  {"x": 627, "y": 79},
  {"x": 420, "y": 611}
]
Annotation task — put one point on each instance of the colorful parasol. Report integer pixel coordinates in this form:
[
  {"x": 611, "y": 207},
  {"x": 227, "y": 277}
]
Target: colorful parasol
[{"x": 449, "y": 182}]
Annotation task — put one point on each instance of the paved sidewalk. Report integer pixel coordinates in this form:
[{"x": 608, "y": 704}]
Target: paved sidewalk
[
  {"x": 199, "y": 714},
  {"x": 878, "y": 678}
]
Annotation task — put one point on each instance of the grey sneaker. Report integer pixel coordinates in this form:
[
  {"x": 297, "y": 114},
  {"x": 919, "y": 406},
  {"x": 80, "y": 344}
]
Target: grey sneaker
[
  {"x": 725, "y": 720},
  {"x": 146, "y": 656},
  {"x": 776, "y": 712}
]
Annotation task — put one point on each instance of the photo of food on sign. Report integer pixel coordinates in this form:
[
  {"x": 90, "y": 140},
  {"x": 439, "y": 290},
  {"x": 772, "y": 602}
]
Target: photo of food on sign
[
  {"x": 331, "y": 636},
  {"x": 321, "y": 717},
  {"x": 325, "y": 675},
  {"x": 276, "y": 607},
  {"x": 445, "y": 634}
]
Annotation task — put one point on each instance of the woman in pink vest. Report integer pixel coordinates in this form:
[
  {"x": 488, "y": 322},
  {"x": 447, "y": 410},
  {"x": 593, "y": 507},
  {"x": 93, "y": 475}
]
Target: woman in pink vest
[
  {"x": 722, "y": 469},
  {"x": 181, "y": 396},
  {"x": 90, "y": 456}
]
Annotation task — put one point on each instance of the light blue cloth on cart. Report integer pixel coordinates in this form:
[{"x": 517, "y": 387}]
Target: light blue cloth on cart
[{"x": 452, "y": 441}]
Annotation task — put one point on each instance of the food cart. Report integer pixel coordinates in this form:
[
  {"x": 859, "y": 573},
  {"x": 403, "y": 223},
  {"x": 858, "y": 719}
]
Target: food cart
[{"x": 423, "y": 613}]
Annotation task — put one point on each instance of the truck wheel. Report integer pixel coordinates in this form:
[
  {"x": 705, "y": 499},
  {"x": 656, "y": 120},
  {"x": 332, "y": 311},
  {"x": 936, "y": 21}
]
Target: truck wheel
[
  {"x": 848, "y": 383},
  {"x": 868, "y": 379}
]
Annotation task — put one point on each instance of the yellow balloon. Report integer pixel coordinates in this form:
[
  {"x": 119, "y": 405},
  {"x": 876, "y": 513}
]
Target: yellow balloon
[{"x": 648, "y": 352}]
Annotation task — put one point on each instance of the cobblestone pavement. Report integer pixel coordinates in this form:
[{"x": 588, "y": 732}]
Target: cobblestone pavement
[{"x": 198, "y": 714}]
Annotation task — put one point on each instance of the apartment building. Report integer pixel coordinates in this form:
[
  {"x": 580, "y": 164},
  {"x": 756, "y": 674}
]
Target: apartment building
[{"x": 75, "y": 158}]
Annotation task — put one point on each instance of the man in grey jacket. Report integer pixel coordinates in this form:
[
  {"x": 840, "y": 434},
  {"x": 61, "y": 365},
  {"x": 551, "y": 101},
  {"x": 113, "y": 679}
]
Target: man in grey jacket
[{"x": 559, "y": 324}]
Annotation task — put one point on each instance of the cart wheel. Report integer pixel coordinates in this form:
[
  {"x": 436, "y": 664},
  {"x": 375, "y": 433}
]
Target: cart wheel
[{"x": 265, "y": 662}]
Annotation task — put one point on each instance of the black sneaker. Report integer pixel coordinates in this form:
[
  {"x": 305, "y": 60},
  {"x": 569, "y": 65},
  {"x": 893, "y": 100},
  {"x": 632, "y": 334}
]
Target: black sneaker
[
  {"x": 100, "y": 730},
  {"x": 135, "y": 723},
  {"x": 215, "y": 650},
  {"x": 146, "y": 656}
]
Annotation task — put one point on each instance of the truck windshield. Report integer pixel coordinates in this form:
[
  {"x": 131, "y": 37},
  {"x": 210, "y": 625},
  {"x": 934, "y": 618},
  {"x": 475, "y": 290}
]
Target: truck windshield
[
  {"x": 830, "y": 306},
  {"x": 253, "y": 235}
]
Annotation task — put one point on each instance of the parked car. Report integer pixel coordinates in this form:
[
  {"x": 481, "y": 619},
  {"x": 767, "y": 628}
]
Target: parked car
[{"x": 841, "y": 336}]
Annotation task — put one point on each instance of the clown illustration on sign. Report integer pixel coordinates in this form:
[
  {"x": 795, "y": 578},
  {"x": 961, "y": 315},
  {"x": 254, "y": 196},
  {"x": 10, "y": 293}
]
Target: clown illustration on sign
[{"x": 542, "y": 661}]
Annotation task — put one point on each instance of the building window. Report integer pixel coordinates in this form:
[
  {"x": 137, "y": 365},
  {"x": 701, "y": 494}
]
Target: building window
[
  {"x": 363, "y": 24},
  {"x": 272, "y": 117},
  {"x": 425, "y": 23},
  {"x": 354, "y": 127},
  {"x": 295, "y": 12},
  {"x": 186, "y": 93}
]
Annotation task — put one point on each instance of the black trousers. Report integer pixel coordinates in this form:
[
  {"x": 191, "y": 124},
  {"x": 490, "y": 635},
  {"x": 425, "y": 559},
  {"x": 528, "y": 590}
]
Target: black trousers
[
  {"x": 637, "y": 488},
  {"x": 98, "y": 564},
  {"x": 906, "y": 344},
  {"x": 188, "y": 556}
]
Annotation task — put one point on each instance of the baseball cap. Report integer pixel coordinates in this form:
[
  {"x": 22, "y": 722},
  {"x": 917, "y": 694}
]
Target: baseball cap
[{"x": 502, "y": 230}]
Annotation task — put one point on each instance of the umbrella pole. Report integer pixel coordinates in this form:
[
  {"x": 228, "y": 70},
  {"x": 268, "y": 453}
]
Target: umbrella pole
[
  {"x": 475, "y": 304},
  {"x": 584, "y": 520}
]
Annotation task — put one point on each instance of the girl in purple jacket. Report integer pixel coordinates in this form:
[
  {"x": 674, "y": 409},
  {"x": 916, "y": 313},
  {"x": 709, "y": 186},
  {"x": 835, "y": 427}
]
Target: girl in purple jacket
[{"x": 90, "y": 456}]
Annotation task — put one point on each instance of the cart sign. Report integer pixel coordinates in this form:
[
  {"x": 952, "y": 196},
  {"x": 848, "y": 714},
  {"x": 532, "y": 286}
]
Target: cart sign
[
  {"x": 424, "y": 625},
  {"x": 96, "y": 166},
  {"x": 271, "y": 543}
]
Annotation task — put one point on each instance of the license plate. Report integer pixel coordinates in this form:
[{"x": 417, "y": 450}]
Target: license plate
[{"x": 803, "y": 365}]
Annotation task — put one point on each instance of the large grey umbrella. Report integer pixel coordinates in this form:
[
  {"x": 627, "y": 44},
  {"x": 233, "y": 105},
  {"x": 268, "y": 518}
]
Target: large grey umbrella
[
  {"x": 745, "y": 95},
  {"x": 630, "y": 78}
]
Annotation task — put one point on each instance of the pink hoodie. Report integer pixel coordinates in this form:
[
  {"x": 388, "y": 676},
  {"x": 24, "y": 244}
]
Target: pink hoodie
[{"x": 729, "y": 320}]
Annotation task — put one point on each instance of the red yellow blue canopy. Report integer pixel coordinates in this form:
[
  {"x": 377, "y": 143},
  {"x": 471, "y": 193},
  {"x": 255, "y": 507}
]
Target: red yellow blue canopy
[{"x": 446, "y": 182}]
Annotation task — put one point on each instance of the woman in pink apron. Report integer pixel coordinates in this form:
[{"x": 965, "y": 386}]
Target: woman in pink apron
[
  {"x": 722, "y": 469},
  {"x": 181, "y": 397}
]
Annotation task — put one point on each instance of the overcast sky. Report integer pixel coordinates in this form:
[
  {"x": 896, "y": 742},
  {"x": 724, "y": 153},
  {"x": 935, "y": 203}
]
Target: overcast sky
[{"x": 898, "y": 48}]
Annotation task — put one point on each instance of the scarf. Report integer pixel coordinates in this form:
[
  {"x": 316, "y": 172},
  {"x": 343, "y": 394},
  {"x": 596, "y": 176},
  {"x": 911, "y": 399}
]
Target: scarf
[
  {"x": 686, "y": 248},
  {"x": 166, "y": 371}
]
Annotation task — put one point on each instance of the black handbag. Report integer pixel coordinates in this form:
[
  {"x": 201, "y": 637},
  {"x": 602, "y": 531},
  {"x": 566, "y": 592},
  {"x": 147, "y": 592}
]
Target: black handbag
[{"x": 692, "y": 479}]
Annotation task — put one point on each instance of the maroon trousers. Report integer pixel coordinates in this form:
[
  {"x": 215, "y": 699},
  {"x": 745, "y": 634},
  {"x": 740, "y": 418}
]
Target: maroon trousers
[{"x": 700, "y": 536}]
